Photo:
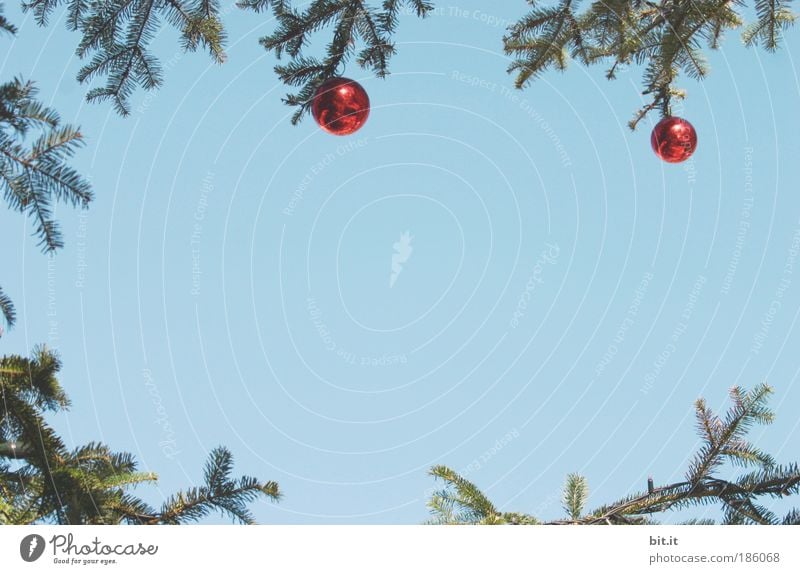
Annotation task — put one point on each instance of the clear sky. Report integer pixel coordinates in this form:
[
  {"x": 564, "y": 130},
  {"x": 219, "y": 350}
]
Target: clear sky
[{"x": 562, "y": 296}]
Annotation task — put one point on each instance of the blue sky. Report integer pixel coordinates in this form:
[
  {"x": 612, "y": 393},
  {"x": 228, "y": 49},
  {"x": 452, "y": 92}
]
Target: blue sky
[{"x": 566, "y": 298}]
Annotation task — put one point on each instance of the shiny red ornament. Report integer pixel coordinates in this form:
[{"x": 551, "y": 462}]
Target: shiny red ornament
[
  {"x": 340, "y": 106},
  {"x": 673, "y": 139}
]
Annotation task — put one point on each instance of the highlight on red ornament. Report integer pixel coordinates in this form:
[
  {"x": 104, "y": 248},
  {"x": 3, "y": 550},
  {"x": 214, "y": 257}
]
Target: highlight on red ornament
[
  {"x": 340, "y": 106},
  {"x": 673, "y": 139}
]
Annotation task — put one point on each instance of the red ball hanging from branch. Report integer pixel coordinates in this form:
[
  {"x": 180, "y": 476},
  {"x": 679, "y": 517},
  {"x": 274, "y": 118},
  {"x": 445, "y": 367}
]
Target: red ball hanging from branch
[
  {"x": 340, "y": 106},
  {"x": 673, "y": 139}
]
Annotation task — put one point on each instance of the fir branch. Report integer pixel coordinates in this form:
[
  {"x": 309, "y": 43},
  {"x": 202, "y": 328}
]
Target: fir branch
[
  {"x": 116, "y": 37},
  {"x": 354, "y": 23},
  {"x": 792, "y": 518},
  {"x": 724, "y": 440},
  {"x": 576, "y": 492},
  {"x": 219, "y": 493},
  {"x": 91, "y": 484},
  {"x": 774, "y": 16},
  {"x": 728, "y": 440},
  {"x": 545, "y": 38},
  {"x": 259, "y": 6},
  {"x": 7, "y": 309},
  {"x": 5, "y": 25},
  {"x": 665, "y": 37}
]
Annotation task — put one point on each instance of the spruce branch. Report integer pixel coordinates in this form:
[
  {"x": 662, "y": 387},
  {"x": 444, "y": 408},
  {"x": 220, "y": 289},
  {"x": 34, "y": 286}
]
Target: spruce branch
[
  {"x": 792, "y": 518},
  {"x": 116, "y": 37},
  {"x": 5, "y": 25},
  {"x": 576, "y": 492},
  {"x": 774, "y": 16},
  {"x": 35, "y": 151},
  {"x": 34, "y": 175},
  {"x": 724, "y": 443},
  {"x": 461, "y": 502},
  {"x": 219, "y": 493},
  {"x": 91, "y": 484},
  {"x": 7, "y": 310}
]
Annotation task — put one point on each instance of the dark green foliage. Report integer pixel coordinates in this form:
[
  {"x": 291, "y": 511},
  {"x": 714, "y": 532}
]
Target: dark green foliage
[
  {"x": 41, "y": 481},
  {"x": 793, "y": 518},
  {"x": 576, "y": 491},
  {"x": 116, "y": 35},
  {"x": 724, "y": 445},
  {"x": 359, "y": 30},
  {"x": 34, "y": 170},
  {"x": 773, "y": 16},
  {"x": 665, "y": 37},
  {"x": 5, "y": 25},
  {"x": 34, "y": 173}
]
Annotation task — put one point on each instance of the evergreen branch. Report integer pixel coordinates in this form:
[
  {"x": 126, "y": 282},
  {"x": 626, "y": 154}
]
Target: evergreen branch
[
  {"x": 34, "y": 172},
  {"x": 91, "y": 484},
  {"x": 116, "y": 36},
  {"x": 20, "y": 111},
  {"x": 259, "y": 6},
  {"x": 748, "y": 407},
  {"x": 540, "y": 39},
  {"x": 461, "y": 499},
  {"x": 7, "y": 310},
  {"x": 460, "y": 502},
  {"x": 129, "y": 509},
  {"x": 774, "y": 16},
  {"x": 353, "y": 22},
  {"x": 5, "y": 25},
  {"x": 576, "y": 492}
]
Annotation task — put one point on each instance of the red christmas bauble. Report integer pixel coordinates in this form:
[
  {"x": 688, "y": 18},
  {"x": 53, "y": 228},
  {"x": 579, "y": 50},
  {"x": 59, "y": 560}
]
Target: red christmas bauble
[
  {"x": 340, "y": 106},
  {"x": 673, "y": 139}
]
